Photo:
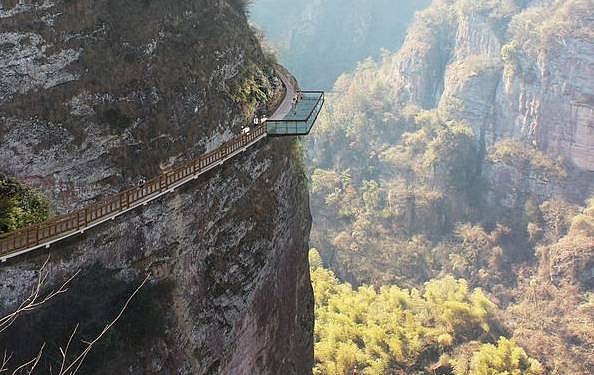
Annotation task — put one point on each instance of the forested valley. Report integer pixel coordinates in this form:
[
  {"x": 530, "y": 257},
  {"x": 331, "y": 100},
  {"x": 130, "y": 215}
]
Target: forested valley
[{"x": 453, "y": 227}]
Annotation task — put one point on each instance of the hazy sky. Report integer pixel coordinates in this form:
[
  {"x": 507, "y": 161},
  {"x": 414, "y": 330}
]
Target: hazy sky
[{"x": 320, "y": 39}]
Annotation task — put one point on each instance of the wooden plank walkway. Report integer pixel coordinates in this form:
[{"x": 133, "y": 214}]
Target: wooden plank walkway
[{"x": 64, "y": 226}]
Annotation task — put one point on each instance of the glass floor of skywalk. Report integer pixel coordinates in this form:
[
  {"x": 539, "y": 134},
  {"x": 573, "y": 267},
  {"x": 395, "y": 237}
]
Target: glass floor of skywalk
[{"x": 301, "y": 118}]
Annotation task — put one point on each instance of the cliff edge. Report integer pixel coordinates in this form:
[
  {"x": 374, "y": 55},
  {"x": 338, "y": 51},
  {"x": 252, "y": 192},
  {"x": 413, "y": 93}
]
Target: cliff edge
[{"x": 96, "y": 96}]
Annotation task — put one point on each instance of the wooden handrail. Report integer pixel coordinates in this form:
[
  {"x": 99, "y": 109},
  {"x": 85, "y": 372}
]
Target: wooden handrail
[
  {"x": 66, "y": 225},
  {"x": 34, "y": 236}
]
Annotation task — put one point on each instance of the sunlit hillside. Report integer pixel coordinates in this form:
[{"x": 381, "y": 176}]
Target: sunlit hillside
[{"x": 446, "y": 159}]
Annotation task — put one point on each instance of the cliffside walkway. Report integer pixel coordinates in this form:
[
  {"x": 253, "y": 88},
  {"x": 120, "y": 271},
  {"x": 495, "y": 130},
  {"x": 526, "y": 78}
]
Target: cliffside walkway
[{"x": 290, "y": 118}]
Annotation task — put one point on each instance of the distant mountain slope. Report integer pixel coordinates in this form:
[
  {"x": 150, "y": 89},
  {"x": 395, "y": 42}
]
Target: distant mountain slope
[
  {"x": 469, "y": 153},
  {"x": 523, "y": 71},
  {"x": 320, "y": 39}
]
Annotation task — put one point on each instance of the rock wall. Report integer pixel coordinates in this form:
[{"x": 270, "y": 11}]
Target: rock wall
[
  {"x": 523, "y": 72},
  {"x": 98, "y": 95}
]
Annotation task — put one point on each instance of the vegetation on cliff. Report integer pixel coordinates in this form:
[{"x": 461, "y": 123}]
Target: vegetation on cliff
[
  {"x": 20, "y": 205},
  {"x": 254, "y": 89}
]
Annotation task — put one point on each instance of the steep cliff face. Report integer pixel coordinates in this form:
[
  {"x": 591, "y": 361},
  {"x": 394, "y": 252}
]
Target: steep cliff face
[
  {"x": 548, "y": 89},
  {"x": 98, "y": 95},
  {"x": 510, "y": 70}
]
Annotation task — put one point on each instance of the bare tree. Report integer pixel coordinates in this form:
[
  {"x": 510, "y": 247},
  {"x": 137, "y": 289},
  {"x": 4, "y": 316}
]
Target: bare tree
[
  {"x": 73, "y": 367},
  {"x": 35, "y": 300}
]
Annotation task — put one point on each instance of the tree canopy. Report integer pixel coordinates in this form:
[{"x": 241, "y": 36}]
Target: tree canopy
[{"x": 394, "y": 330}]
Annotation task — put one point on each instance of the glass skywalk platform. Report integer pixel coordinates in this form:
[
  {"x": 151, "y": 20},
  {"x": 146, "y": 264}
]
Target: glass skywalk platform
[{"x": 300, "y": 118}]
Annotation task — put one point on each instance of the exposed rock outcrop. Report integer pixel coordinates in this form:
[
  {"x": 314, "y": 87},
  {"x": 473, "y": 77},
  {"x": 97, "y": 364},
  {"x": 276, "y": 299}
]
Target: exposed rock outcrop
[
  {"x": 98, "y": 95},
  {"x": 509, "y": 71}
]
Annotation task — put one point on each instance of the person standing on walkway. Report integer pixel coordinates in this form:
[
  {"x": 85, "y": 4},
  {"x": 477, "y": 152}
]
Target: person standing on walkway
[{"x": 294, "y": 105}]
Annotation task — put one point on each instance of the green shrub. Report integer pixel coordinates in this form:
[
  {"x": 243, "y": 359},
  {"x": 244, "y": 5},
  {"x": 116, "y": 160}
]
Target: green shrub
[
  {"x": 504, "y": 358},
  {"x": 20, "y": 205},
  {"x": 254, "y": 88},
  {"x": 391, "y": 329}
]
